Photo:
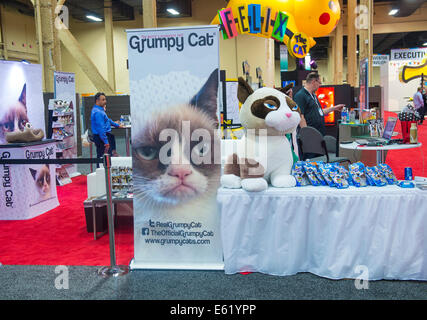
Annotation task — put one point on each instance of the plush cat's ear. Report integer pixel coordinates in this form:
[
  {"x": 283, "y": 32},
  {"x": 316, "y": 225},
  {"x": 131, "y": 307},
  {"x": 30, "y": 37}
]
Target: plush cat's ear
[
  {"x": 244, "y": 90},
  {"x": 23, "y": 96},
  {"x": 33, "y": 173},
  {"x": 286, "y": 89},
  {"x": 206, "y": 98}
]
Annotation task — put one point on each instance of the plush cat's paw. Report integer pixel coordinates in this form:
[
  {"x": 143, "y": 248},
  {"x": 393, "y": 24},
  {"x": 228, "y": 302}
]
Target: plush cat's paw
[
  {"x": 231, "y": 181},
  {"x": 254, "y": 184},
  {"x": 283, "y": 182}
]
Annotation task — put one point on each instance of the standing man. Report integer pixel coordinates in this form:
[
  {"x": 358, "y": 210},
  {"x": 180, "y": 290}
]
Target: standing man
[
  {"x": 101, "y": 127},
  {"x": 312, "y": 113},
  {"x": 419, "y": 103}
]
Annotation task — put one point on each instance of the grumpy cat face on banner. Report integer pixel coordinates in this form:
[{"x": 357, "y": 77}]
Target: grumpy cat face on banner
[
  {"x": 181, "y": 181},
  {"x": 15, "y": 116},
  {"x": 42, "y": 180}
]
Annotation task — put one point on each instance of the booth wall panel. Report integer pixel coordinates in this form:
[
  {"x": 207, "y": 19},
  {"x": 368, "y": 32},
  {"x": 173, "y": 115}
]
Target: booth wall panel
[{"x": 116, "y": 106}]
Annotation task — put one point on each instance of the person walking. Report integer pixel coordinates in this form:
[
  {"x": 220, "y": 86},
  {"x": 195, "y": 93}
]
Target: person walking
[{"x": 419, "y": 103}]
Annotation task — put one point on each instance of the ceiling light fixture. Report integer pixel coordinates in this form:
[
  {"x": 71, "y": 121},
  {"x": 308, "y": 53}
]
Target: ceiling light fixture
[
  {"x": 425, "y": 44},
  {"x": 172, "y": 11},
  {"x": 393, "y": 12},
  {"x": 93, "y": 18}
]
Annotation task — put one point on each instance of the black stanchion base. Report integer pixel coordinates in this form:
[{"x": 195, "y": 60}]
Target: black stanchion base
[{"x": 115, "y": 271}]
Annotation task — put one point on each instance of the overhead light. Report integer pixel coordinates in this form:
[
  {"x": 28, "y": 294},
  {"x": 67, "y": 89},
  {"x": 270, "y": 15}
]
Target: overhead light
[
  {"x": 94, "y": 18},
  {"x": 425, "y": 44},
  {"x": 25, "y": 62},
  {"x": 172, "y": 11},
  {"x": 393, "y": 12}
]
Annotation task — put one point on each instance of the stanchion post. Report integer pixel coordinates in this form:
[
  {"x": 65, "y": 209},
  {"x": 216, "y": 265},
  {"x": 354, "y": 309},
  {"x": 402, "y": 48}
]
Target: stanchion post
[{"x": 113, "y": 269}]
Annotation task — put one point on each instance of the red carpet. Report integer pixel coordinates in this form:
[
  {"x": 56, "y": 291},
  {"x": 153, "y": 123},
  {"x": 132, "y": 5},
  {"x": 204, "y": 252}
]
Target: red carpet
[
  {"x": 400, "y": 159},
  {"x": 59, "y": 237}
]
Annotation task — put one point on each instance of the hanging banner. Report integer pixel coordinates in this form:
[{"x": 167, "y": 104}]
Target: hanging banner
[
  {"x": 21, "y": 97},
  {"x": 413, "y": 54},
  {"x": 174, "y": 83},
  {"x": 64, "y": 122},
  {"x": 283, "y": 58},
  {"x": 380, "y": 59}
]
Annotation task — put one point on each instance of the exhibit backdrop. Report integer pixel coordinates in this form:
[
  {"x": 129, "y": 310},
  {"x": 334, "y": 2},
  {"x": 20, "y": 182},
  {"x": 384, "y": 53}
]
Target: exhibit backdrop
[
  {"x": 21, "y": 97},
  {"x": 396, "y": 92},
  {"x": 174, "y": 82},
  {"x": 65, "y": 89}
]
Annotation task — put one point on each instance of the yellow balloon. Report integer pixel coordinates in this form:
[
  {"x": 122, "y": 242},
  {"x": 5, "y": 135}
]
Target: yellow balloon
[{"x": 317, "y": 18}]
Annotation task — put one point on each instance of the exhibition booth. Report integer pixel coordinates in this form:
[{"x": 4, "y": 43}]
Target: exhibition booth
[{"x": 216, "y": 174}]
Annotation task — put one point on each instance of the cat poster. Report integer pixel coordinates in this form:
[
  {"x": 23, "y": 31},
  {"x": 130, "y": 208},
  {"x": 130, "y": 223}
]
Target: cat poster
[
  {"x": 174, "y": 80},
  {"x": 27, "y": 191},
  {"x": 21, "y": 97}
]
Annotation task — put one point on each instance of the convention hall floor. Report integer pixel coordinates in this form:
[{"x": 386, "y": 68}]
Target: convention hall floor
[{"x": 38, "y": 282}]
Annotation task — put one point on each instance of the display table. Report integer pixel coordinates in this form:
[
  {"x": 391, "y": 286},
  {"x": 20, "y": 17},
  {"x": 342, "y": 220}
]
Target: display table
[
  {"x": 102, "y": 201},
  {"x": 326, "y": 231},
  {"x": 380, "y": 150},
  {"x": 27, "y": 191}
]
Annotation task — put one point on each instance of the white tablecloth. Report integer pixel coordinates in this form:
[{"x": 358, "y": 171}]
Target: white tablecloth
[{"x": 326, "y": 231}]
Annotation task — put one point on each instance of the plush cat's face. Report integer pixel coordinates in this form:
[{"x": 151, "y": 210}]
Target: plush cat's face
[
  {"x": 267, "y": 108},
  {"x": 173, "y": 153},
  {"x": 42, "y": 180}
]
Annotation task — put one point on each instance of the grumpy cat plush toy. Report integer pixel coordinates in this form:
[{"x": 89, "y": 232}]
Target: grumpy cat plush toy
[{"x": 265, "y": 154}]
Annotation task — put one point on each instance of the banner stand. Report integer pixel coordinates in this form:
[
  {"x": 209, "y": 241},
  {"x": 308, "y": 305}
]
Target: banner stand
[{"x": 114, "y": 269}]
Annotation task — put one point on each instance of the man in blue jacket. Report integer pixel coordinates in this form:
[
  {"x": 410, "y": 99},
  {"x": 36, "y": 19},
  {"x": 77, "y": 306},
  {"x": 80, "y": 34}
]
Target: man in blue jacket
[{"x": 101, "y": 127}]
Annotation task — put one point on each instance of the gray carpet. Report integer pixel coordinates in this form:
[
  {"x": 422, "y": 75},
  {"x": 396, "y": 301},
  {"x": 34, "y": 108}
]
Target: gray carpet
[{"x": 38, "y": 282}]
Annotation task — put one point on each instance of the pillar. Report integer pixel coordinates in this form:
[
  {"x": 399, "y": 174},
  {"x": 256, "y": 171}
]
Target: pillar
[
  {"x": 365, "y": 35},
  {"x": 109, "y": 40},
  {"x": 149, "y": 13},
  {"x": 337, "y": 47},
  {"x": 351, "y": 43},
  {"x": 46, "y": 26}
]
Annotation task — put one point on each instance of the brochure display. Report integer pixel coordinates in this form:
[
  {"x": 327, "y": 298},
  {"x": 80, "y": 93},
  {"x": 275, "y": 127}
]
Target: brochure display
[
  {"x": 63, "y": 121},
  {"x": 174, "y": 81}
]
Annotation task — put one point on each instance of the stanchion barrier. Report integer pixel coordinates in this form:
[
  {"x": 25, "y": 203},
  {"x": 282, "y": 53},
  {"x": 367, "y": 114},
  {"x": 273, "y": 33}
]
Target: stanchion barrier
[{"x": 114, "y": 269}]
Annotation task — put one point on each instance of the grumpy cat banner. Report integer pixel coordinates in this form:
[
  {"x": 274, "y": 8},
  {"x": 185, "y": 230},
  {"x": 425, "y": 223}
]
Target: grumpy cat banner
[
  {"x": 65, "y": 89},
  {"x": 174, "y": 79},
  {"x": 21, "y": 97},
  {"x": 27, "y": 191}
]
